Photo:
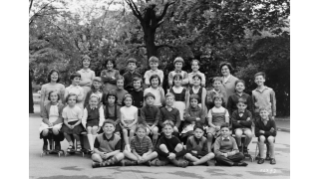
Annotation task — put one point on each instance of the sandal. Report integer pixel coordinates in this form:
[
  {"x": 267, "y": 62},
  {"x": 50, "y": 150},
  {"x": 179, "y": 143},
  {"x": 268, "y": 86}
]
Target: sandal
[
  {"x": 273, "y": 161},
  {"x": 261, "y": 161},
  {"x": 78, "y": 148},
  {"x": 70, "y": 148}
]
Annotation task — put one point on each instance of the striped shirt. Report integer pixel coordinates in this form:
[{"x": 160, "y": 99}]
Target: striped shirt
[{"x": 141, "y": 146}]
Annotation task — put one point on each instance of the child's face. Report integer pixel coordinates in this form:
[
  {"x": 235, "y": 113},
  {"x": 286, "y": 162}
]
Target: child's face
[
  {"x": 141, "y": 133},
  {"x": 196, "y": 81},
  {"x": 218, "y": 102},
  {"x": 108, "y": 128},
  {"x": 195, "y": 66},
  {"x": 97, "y": 84},
  {"x": 225, "y": 70},
  {"x": 178, "y": 66},
  {"x": 137, "y": 84},
  {"x": 154, "y": 82},
  {"x": 198, "y": 133},
  {"x": 54, "y": 77},
  {"x": 194, "y": 102},
  {"x": 109, "y": 65},
  {"x": 111, "y": 99},
  {"x": 170, "y": 101},
  {"x": 259, "y": 80},
  {"x": 72, "y": 101},
  {"x": 86, "y": 63},
  {"x": 217, "y": 85},
  {"x": 94, "y": 101},
  {"x": 150, "y": 100},
  {"x": 54, "y": 97},
  {"x": 264, "y": 114},
  {"x": 154, "y": 65},
  {"x": 128, "y": 102},
  {"x": 224, "y": 131},
  {"x": 168, "y": 130},
  {"x": 76, "y": 81},
  {"x": 120, "y": 84},
  {"x": 240, "y": 87},
  {"x": 131, "y": 66},
  {"x": 177, "y": 82},
  {"x": 241, "y": 106}
]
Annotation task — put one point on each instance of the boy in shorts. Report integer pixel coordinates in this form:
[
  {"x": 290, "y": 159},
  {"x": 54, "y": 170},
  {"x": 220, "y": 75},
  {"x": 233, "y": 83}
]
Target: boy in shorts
[{"x": 107, "y": 147}]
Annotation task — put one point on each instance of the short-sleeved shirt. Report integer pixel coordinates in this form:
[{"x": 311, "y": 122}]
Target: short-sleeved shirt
[
  {"x": 149, "y": 73},
  {"x": 72, "y": 114},
  {"x": 141, "y": 146},
  {"x": 103, "y": 144},
  {"x": 77, "y": 90}
]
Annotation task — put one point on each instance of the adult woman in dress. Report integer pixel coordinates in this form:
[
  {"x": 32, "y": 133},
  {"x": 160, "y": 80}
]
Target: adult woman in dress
[
  {"x": 87, "y": 75},
  {"x": 229, "y": 80},
  {"x": 109, "y": 76},
  {"x": 52, "y": 85}
]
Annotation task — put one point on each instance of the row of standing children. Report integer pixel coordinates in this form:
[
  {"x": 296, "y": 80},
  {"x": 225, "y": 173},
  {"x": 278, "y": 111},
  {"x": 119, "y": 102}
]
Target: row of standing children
[{"x": 191, "y": 100}]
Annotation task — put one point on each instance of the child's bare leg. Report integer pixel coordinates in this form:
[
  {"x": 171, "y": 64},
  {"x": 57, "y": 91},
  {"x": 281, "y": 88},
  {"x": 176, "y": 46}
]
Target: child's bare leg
[
  {"x": 191, "y": 158},
  {"x": 68, "y": 138},
  {"x": 271, "y": 140},
  {"x": 78, "y": 141},
  {"x": 238, "y": 134},
  {"x": 90, "y": 137},
  {"x": 55, "y": 130},
  {"x": 97, "y": 158},
  {"x": 163, "y": 148},
  {"x": 130, "y": 155},
  {"x": 204, "y": 159},
  {"x": 178, "y": 148},
  {"x": 125, "y": 135},
  {"x": 94, "y": 135},
  {"x": 155, "y": 134},
  {"x": 115, "y": 159},
  {"x": 261, "y": 146},
  {"x": 148, "y": 157},
  {"x": 45, "y": 132},
  {"x": 132, "y": 132},
  {"x": 210, "y": 137},
  {"x": 249, "y": 137}
]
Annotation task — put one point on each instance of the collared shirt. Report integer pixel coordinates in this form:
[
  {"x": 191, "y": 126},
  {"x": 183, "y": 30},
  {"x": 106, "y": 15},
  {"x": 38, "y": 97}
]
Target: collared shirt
[
  {"x": 151, "y": 72},
  {"x": 72, "y": 114},
  {"x": 158, "y": 93},
  {"x": 264, "y": 98},
  {"x": 192, "y": 113},
  {"x": 260, "y": 125},
  {"x": 103, "y": 144},
  {"x": 233, "y": 100},
  {"x": 211, "y": 94},
  {"x": 77, "y": 90},
  {"x": 222, "y": 146},
  {"x": 170, "y": 115},
  {"x": 141, "y": 146},
  {"x": 199, "y": 145},
  {"x": 150, "y": 114},
  {"x": 236, "y": 116},
  {"x": 202, "y": 75}
]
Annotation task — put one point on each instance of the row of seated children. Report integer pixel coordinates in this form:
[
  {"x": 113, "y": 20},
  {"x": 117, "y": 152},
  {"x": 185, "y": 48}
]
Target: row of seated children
[{"x": 94, "y": 117}]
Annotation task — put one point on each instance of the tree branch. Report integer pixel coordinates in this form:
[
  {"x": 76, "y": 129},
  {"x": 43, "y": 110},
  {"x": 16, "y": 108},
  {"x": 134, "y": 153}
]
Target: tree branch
[
  {"x": 134, "y": 9},
  {"x": 38, "y": 12},
  {"x": 159, "y": 18},
  {"x": 30, "y": 6}
]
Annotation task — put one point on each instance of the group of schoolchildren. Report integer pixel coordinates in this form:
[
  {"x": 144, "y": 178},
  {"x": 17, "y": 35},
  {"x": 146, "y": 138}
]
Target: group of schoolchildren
[{"x": 136, "y": 123}]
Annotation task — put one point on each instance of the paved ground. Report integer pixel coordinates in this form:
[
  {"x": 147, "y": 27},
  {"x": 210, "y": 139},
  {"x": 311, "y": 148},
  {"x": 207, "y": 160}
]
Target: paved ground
[{"x": 78, "y": 167}]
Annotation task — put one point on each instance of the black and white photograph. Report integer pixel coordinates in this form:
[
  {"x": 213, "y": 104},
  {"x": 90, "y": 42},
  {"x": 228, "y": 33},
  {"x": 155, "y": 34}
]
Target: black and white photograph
[{"x": 153, "y": 89}]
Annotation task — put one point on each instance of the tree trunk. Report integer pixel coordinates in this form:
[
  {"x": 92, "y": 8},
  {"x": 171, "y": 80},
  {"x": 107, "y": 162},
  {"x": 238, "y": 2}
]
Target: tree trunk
[
  {"x": 149, "y": 40},
  {"x": 31, "y": 110}
]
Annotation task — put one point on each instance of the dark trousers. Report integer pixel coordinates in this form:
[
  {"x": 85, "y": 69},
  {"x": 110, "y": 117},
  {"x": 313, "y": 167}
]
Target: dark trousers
[{"x": 230, "y": 160}]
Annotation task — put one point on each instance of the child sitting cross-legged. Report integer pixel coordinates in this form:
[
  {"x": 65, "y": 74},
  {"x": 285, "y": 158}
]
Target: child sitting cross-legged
[
  {"x": 169, "y": 149},
  {"x": 107, "y": 147},
  {"x": 226, "y": 150},
  {"x": 197, "y": 148},
  {"x": 142, "y": 149}
]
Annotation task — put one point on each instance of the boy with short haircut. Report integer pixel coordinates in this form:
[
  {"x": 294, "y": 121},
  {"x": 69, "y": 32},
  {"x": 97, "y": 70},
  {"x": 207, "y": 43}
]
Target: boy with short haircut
[
  {"x": 169, "y": 113},
  {"x": 195, "y": 71},
  {"x": 137, "y": 93},
  {"x": 130, "y": 75},
  {"x": 226, "y": 150},
  {"x": 150, "y": 116},
  {"x": 197, "y": 148},
  {"x": 142, "y": 149},
  {"x": 178, "y": 63},
  {"x": 241, "y": 122},
  {"x": 154, "y": 70},
  {"x": 76, "y": 89},
  {"x": 107, "y": 147},
  {"x": 169, "y": 149},
  {"x": 263, "y": 96},
  {"x": 216, "y": 90},
  {"x": 265, "y": 129},
  {"x": 120, "y": 91}
]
